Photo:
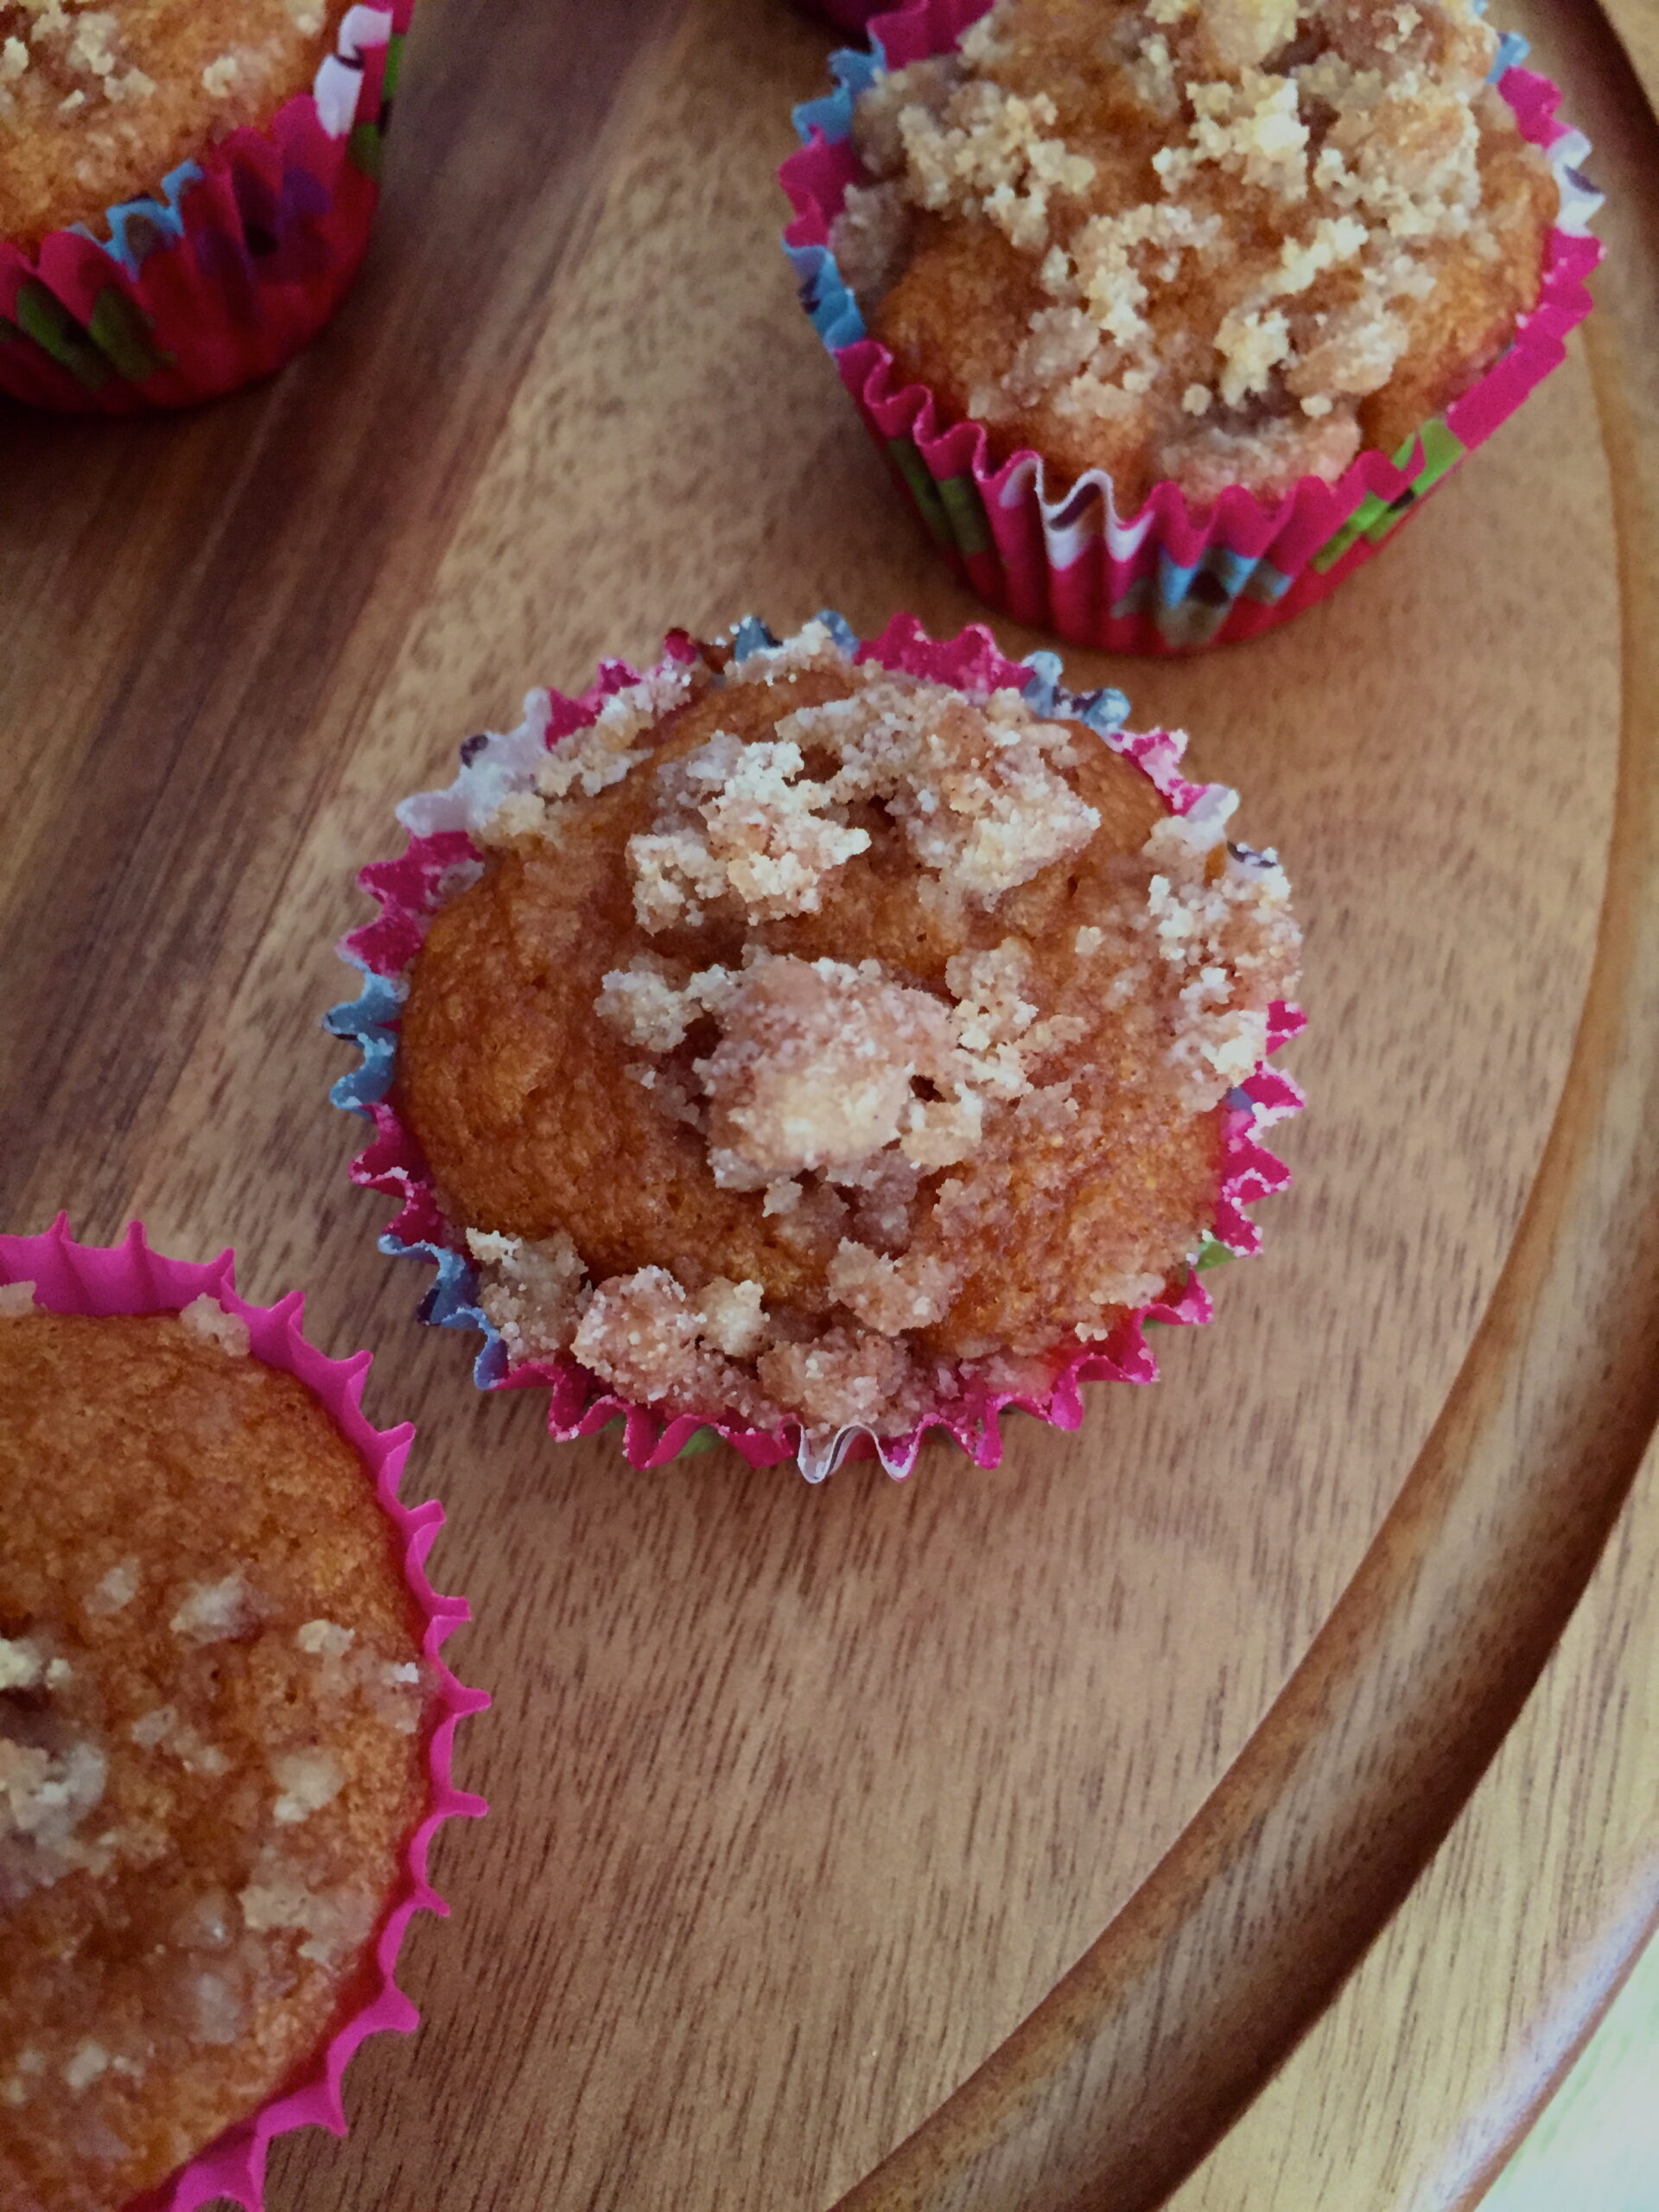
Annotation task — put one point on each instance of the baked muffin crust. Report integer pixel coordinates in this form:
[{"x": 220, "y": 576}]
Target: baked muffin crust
[
  {"x": 1208, "y": 241},
  {"x": 100, "y": 99},
  {"x": 815, "y": 1035},
  {"x": 211, "y": 1754}
]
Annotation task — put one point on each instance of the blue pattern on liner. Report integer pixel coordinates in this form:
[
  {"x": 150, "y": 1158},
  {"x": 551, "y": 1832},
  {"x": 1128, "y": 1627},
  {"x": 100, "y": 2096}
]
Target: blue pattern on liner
[
  {"x": 823, "y": 293},
  {"x": 162, "y": 221},
  {"x": 366, "y": 1020},
  {"x": 1105, "y": 711},
  {"x": 855, "y": 72},
  {"x": 452, "y": 1302},
  {"x": 833, "y": 311}
]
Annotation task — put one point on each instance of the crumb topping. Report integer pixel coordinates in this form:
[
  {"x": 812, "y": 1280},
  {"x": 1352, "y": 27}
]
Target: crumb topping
[
  {"x": 205, "y": 1318},
  {"x": 78, "y": 49},
  {"x": 1227, "y": 212},
  {"x": 903, "y": 1125},
  {"x": 214, "y": 1613}
]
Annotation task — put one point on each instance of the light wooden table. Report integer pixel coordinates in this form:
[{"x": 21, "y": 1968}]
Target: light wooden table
[{"x": 805, "y": 1800}]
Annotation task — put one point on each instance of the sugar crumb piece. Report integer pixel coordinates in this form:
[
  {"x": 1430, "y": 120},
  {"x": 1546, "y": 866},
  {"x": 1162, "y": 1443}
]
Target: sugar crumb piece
[
  {"x": 739, "y": 821},
  {"x": 533, "y": 1290},
  {"x": 115, "y": 1590},
  {"x": 216, "y": 1612},
  {"x": 324, "y": 1639},
  {"x": 205, "y": 1318},
  {"x": 731, "y": 1318},
  {"x": 16, "y": 1300},
  {"x": 333, "y": 1922},
  {"x": 22, "y": 1664},
  {"x": 45, "y": 1798},
  {"x": 645, "y": 1335},
  {"x": 396, "y": 1691},
  {"x": 308, "y": 1780},
  {"x": 892, "y": 1295},
  {"x": 843, "y": 1376},
  {"x": 815, "y": 1067},
  {"x": 86, "y": 2063},
  {"x": 220, "y": 76},
  {"x": 163, "y": 1730}
]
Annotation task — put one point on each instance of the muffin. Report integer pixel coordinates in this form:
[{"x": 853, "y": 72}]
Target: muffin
[
  {"x": 185, "y": 187},
  {"x": 1210, "y": 242},
  {"x": 920, "y": 1015},
  {"x": 218, "y": 1703},
  {"x": 1239, "y": 250}
]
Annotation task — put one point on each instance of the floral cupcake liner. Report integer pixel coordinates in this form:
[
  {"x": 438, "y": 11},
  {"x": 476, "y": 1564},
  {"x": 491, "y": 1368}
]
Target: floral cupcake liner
[
  {"x": 441, "y": 858},
  {"x": 129, "y": 1277},
  {"x": 1170, "y": 578},
  {"x": 228, "y": 268}
]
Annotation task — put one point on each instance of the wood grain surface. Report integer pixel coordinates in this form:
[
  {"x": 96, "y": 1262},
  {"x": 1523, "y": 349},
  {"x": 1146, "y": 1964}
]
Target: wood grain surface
[{"x": 805, "y": 1800}]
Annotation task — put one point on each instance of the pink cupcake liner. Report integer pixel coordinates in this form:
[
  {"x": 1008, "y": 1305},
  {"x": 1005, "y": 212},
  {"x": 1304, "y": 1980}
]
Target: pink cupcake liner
[
  {"x": 228, "y": 268},
  {"x": 440, "y": 858},
  {"x": 1170, "y": 578},
  {"x": 129, "y": 1277}
]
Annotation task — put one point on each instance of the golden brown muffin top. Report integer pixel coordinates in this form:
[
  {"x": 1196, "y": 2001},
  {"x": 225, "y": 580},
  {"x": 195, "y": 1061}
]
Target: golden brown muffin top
[
  {"x": 1212, "y": 241},
  {"x": 98, "y": 102},
  {"x": 210, "y": 1706},
  {"x": 818, "y": 1038}
]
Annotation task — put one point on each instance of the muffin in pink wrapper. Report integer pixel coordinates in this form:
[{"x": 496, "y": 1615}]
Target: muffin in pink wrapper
[
  {"x": 186, "y": 190},
  {"x": 814, "y": 1044},
  {"x": 1165, "y": 318},
  {"x": 226, "y": 1728}
]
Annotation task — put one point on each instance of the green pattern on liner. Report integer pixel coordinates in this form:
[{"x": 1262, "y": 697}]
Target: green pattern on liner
[
  {"x": 701, "y": 1439},
  {"x": 907, "y": 459},
  {"x": 43, "y": 317},
  {"x": 365, "y": 149},
  {"x": 967, "y": 511},
  {"x": 120, "y": 328},
  {"x": 1373, "y": 519},
  {"x": 1212, "y": 1253},
  {"x": 394, "y": 65}
]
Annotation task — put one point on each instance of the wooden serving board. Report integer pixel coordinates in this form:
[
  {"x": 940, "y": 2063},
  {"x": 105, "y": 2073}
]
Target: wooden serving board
[{"x": 988, "y": 1840}]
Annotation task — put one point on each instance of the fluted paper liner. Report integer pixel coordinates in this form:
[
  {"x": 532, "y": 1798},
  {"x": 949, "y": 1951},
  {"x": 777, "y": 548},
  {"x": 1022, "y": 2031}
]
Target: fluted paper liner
[
  {"x": 1171, "y": 577},
  {"x": 129, "y": 1277},
  {"x": 441, "y": 857},
  {"x": 228, "y": 267}
]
